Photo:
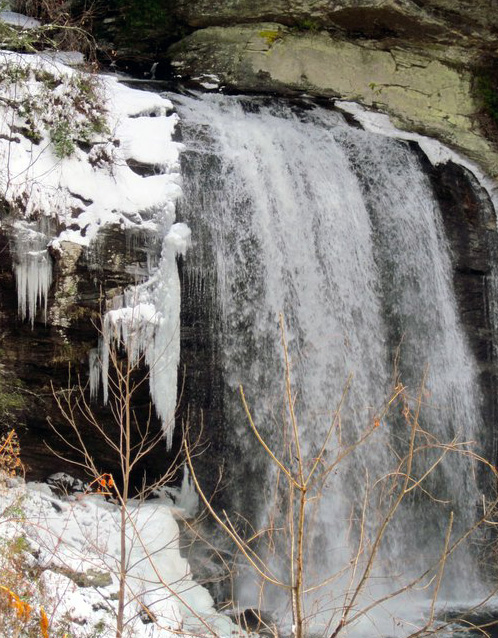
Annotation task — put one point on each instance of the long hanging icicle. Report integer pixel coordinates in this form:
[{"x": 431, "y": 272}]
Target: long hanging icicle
[
  {"x": 33, "y": 271},
  {"x": 148, "y": 324}
]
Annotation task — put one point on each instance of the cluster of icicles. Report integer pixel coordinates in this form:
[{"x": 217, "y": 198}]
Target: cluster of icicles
[{"x": 145, "y": 319}]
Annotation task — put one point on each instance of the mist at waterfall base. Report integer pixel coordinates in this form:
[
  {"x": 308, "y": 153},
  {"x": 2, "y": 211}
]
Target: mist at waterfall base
[{"x": 293, "y": 211}]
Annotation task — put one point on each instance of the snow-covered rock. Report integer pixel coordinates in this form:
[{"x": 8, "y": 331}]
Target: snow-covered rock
[
  {"x": 70, "y": 145},
  {"x": 74, "y": 547},
  {"x": 19, "y": 20}
]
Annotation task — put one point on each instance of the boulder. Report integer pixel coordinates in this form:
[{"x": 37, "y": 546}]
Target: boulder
[
  {"x": 422, "y": 20},
  {"x": 421, "y": 89}
]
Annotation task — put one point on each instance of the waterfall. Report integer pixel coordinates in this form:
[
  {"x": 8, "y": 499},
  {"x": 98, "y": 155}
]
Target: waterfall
[{"x": 294, "y": 211}]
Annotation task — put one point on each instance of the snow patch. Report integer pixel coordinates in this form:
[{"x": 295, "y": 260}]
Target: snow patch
[
  {"x": 19, "y": 20},
  {"x": 79, "y": 537},
  {"x": 208, "y": 81},
  {"x": 70, "y": 58},
  {"x": 155, "y": 130},
  {"x": 436, "y": 152}
]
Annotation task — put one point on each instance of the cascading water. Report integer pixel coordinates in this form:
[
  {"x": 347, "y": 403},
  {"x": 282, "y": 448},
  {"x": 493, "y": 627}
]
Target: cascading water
[{"x": 296, "y": 212}]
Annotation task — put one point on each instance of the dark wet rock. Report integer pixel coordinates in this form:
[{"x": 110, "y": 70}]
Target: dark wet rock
[
  {"x": 90, "y": 578},
  {"x": 39, "y": 361},
  {"x": 469, "y": 222}
]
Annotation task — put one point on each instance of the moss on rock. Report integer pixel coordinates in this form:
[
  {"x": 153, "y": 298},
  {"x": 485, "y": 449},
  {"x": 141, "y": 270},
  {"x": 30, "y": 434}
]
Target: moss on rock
[{"x": 419, "y": 89}]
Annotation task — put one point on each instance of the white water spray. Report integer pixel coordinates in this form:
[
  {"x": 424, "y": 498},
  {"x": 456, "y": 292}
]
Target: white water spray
[{"x": 339, "y": 230}]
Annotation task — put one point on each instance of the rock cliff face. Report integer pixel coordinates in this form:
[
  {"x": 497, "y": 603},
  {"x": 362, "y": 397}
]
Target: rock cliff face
[
  {"x": 42, "y": 359},
  {"x": 83, "y": 211},
  {"x": 470, "y": 224},
  {"x": 430, "y": 65},
  {"x": 437, "y": 18}
]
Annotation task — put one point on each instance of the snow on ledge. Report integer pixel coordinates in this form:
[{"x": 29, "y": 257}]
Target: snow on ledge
[
  {"x": 69, "y": 197},
  {"x": 71, "y": 58},
  {"x": 19, "y": 20},
  {"x": 436, "y": 152}
]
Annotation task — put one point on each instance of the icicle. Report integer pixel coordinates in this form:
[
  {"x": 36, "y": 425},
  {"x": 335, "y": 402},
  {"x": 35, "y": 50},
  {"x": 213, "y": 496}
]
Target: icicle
[
  {"x": 163, "y": 353},
  {"x": 189, "y": 499},
  {"x": 95, "y": 369},
  {"x": 148, "y": 324},
  {"x": 33, "y": 271}
]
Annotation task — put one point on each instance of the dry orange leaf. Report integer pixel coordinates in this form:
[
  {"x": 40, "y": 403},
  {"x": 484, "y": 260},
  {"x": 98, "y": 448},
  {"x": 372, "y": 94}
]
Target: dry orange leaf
[
  {"x": 22, "y": 609},
  {"x": 43, "y": 623}
]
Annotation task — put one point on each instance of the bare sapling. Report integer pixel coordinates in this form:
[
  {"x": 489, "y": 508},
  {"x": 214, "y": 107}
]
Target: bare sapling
[
  {"x": 299, "y": 482},
  {"x": 301, "y": 479},
  {"x": 61, "y": 29},
  {"x": 129, "y": 443}
]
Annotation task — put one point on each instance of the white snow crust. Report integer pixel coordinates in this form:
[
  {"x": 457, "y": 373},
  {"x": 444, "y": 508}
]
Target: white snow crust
[
  {"x": 81, "y": 535},
  {"x": 208, "y": 81},
  {"x": 71, "y": 58},
  {"x": 19, "y": 20}
]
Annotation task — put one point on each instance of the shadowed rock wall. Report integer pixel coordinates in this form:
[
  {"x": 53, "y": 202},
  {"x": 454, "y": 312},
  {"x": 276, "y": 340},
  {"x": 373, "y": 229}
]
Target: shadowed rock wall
[{"x": 40, "y": 360}]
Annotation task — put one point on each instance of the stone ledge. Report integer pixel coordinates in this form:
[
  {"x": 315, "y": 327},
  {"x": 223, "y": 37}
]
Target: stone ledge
[{"x": 420, "y": 91}]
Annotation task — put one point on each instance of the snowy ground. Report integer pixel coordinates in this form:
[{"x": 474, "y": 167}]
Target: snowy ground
[{"x": 76, "y": 538}]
